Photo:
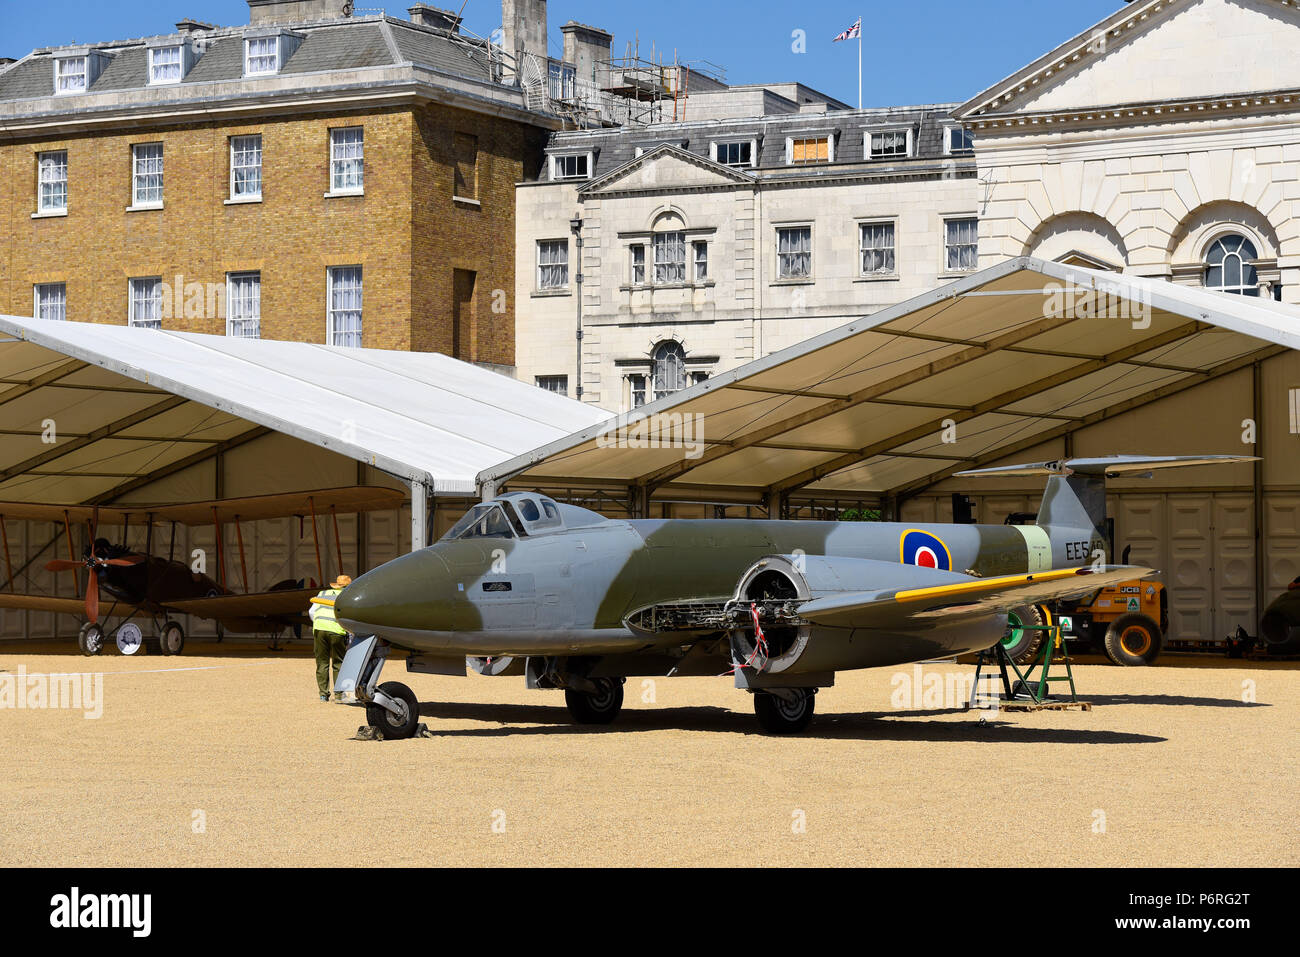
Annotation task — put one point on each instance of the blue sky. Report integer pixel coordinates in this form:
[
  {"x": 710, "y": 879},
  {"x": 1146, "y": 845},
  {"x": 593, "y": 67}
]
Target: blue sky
[{"x": 915, "y": 51}]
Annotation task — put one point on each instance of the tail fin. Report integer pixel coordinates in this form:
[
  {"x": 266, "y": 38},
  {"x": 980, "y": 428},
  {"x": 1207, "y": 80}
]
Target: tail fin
[{"x": 1075, "y": 496}]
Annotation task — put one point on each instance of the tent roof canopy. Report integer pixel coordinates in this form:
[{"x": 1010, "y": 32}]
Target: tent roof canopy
[
  {"x": 127, "y": 405},
  {"x": 963, "y": 376}
]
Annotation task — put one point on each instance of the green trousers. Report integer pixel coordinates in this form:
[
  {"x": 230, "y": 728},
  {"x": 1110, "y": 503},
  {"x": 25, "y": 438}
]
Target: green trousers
[{"x": 329, "y": 649}]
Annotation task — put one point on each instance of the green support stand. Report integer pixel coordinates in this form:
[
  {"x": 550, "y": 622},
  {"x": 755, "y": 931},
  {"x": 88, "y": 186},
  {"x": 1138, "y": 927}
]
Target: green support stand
[{"x": 1035, "y": 691}]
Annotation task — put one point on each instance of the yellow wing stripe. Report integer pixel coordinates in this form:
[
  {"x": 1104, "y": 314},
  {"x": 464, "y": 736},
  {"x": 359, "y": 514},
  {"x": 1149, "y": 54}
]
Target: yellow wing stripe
[
  {"x": 327, "y": 602},
  {"x": 982, "y": 584}
]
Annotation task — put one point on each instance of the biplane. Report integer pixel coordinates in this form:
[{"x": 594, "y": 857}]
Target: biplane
[{"x": 139, "y": 585}]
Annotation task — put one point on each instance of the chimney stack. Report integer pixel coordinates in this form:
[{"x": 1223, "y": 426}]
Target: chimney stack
[
  {"x": 427, "y": 16},
  {"x": 524, "y": 23},
  {"x": 297, "y": 11},
  {"x": 189, "y": 25},
  {"x": 585, "y": 47}
]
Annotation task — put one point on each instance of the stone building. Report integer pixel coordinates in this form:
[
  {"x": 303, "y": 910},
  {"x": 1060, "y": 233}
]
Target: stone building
[
  {"x": 311, "y": 175},
  {"x": 721, "y": 239},
  {"x": 1162, "y": 142},
  {"x": 1118, "y": 150}
]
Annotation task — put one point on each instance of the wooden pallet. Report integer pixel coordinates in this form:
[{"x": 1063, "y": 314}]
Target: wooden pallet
[{"x": 1044, "y": 705}]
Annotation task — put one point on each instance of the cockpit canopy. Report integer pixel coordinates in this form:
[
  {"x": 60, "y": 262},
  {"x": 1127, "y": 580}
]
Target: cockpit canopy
[{"x": 519, "y": 515}]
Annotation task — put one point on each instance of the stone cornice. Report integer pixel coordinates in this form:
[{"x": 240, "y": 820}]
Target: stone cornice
[{"x": 1168, "y": 111}]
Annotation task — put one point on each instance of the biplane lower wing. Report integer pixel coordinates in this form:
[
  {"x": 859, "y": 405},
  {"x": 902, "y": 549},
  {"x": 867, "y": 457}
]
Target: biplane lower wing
[
  {"x": 63, "y": 606},
  {"x": 280, "y": 605},
  {"x": 352, "y": 499}
]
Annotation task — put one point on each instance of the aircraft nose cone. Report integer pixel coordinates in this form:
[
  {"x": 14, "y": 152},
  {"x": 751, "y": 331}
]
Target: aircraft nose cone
[{"x": 395, "y": 595}]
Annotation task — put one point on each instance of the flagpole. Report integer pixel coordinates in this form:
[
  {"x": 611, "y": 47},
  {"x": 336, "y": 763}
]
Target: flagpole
[{"x": 859, "y": 63}]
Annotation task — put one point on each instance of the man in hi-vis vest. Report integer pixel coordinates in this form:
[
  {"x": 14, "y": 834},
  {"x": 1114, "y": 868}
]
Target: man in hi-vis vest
[{"x": 330, "y": 640}]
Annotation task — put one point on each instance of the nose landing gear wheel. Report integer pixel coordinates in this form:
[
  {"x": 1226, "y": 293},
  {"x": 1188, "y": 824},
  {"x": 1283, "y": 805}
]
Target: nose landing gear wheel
[
  {"x": 776, "y": 715},
  {"x": 599, "y": 708},
  {"x": 90, "y": 639},
  {"x": 395, "y": 726}
]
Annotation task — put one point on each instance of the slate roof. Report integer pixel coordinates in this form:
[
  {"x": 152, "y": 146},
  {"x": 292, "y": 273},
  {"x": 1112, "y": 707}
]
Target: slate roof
[
  {"x": 617, "y": 146},
  {"x": 326, "y": 46}
]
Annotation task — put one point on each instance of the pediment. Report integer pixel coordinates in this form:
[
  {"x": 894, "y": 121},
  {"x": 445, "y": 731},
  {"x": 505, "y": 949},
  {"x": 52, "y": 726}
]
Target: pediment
[
  {"x": 1158, "y": 51},
  {"x": 666, "y": 168}
]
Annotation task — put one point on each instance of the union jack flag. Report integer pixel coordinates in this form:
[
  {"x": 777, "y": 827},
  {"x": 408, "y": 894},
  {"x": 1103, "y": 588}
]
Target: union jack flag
[{"x": 852, "y": 33}]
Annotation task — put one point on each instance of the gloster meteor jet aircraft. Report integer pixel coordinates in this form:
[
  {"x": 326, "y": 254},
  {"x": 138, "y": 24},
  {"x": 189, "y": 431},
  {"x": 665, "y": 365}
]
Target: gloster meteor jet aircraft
[{"x": 573, "y": 600}]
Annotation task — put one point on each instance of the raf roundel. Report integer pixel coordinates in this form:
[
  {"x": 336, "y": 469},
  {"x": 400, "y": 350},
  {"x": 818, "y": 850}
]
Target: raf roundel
[{"x": 921, "y": 548}]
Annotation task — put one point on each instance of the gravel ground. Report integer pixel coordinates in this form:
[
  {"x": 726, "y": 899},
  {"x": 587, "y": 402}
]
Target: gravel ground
[{"x": 232, "y": 760}]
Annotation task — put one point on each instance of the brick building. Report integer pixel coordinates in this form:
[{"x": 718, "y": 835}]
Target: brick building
[{"x": 311, "y": 176}]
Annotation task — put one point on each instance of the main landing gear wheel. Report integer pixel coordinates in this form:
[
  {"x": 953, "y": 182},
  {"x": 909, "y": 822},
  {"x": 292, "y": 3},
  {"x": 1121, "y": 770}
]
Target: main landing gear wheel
[
  {"x": 777, "y": 715},
  {"x": 1023, "y": 640},
  {"x": 171, "y": 640},
  {"x": 395, "y": 726},
  {"x": 600, "y": 707},
  {"x": 1133, "y": 640},
  {"x": 90, "y": 639}
]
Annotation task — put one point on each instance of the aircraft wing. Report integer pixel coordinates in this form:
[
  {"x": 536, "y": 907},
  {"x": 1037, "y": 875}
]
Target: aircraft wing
[
  {"x": 287, "y": 504},
  {"x": 943, "y": 602},
  {"x": 267, "y": 604},
  {"x": 62, "y": 606}
]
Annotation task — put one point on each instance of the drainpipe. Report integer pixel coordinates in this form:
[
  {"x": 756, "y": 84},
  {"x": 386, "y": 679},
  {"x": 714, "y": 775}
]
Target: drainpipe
[{"x": 575, "y": 224}]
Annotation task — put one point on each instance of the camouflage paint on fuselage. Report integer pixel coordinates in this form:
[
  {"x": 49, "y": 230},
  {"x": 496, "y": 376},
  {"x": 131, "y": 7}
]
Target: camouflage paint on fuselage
[{"x": 511, "y": 595}]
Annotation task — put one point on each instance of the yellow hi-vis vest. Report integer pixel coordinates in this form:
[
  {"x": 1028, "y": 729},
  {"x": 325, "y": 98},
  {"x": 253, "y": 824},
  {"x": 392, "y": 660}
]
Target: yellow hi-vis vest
[{"x": 322, "y": 616}]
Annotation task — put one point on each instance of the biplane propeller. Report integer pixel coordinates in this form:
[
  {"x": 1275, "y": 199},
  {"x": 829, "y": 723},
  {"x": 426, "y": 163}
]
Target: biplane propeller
[{"x": 93, "y": 563}]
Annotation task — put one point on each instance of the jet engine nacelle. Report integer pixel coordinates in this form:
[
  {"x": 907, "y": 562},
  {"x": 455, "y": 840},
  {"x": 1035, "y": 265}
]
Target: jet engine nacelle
[{"x": 779, "y": 584}]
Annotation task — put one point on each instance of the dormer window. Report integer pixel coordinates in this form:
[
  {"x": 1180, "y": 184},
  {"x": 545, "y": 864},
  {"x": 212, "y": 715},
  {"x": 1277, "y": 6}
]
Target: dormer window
[
  {"x": 956, "y": 139},
  {"x": 736, "y": 153},
  {"x": 809, "y": 150},
  {"x": 75, "y": 71},
  {"x": 267, "y": 50},
  {"x": 889, "y": 144},
  {"x": 71, "y": 74},
  {"x": 572, "y": 166},
  {"x": 165, "y": 64},
  {"x": 261, "y": 56}
]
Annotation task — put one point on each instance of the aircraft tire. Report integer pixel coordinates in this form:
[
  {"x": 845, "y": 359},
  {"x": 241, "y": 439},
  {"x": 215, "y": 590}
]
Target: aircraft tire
[
  {"x": 1133, "y": 641},
  {"x": 90, "y": 639},
  {"x": 171, "y": 640},
  {"x": 393, "y": 727},
  {"x": 778, "y": 716},
  {"x": 600, "y": 708},
  {"x": 1024, "y": 644}
]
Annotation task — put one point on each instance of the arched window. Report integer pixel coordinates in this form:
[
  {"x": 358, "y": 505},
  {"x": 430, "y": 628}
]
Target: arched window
[
  {"x": 669, "y": 250},
  {"x": 669, "y": 368},
  {"x": 1228, "y": 266}
]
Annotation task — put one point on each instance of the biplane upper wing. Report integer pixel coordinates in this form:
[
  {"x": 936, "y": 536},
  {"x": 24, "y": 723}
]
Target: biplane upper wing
[
  {"x": 948, "y": 599},
  {"x": 267, "y": 604},
  {"x": 62, "y": 606},
  {"x": 360, "y": 498}
]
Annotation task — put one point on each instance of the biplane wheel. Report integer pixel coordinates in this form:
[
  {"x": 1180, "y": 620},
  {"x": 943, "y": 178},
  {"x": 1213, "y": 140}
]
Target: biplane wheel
[
  {"x": 776, "y": 715},
  {"x": 171, "y": 640},
  {"x": 395, "y": 726},
  {"x": 602, "y": 707},
  {"x": 90, "y": 639},
  {"x": 1024, "y": 639}
]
